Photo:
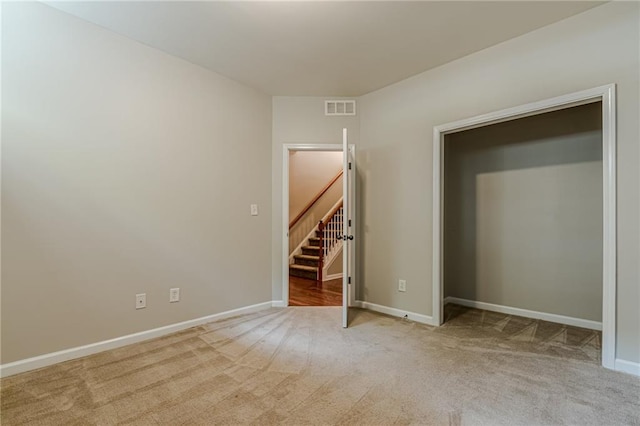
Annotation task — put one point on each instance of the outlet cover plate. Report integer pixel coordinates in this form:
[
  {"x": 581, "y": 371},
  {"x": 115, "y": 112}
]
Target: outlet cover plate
[
  {"x": 141, "y": 300},
  {"x": 402, "y": 285}
]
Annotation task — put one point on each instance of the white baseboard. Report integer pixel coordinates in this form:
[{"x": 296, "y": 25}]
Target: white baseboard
[
  {"x": 332, "y": 277},
  {"x": 628, "y": 367},
  {"x": 561, "y": 319},
  {"x": 40, "y": 361},
  {"x": 29, "y": 364},
  {"x": 424, "y": 319}
]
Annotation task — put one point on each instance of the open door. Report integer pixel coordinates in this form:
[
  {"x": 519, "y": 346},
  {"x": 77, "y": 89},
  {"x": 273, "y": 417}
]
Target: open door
[{"x": 348, "y": 252}]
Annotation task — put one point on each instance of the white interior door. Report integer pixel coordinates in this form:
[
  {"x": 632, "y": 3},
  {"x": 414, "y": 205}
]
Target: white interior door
[{"x": 348, "y": 252}]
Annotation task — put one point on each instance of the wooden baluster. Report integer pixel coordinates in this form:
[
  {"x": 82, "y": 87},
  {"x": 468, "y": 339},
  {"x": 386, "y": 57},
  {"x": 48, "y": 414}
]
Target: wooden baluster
[
  {"x": 335, "y": 232},
  {"x": 320, "y": 253},
  {"x": 336, "y": 226}
]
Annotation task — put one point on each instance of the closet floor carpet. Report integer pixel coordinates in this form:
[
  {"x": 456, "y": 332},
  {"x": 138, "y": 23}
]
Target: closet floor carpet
[{"x": 297, "y": 366}]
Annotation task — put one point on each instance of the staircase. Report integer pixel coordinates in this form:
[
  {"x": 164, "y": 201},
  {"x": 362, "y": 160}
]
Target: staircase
[
  {"x": 305, "y": 265},
  {"x": 319, "y": 250}
]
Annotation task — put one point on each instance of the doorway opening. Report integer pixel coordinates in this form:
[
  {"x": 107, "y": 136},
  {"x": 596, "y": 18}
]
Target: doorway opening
[
  {"x": 337, "y": 233},
  {"x": 528, "y": 228},
  {"x": 315, "y": 209}
]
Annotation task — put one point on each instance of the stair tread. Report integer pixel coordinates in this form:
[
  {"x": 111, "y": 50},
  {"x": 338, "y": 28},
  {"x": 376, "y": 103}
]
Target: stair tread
[
  {"x": 311, "y": 247},
  {"x": 303, "y": 267},
  {"x": 306, "y": 256}
]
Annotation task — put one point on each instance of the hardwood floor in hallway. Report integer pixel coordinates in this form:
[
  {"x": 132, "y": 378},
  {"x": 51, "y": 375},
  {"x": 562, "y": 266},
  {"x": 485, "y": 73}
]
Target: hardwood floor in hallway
[{"x": 304, "y": 292}]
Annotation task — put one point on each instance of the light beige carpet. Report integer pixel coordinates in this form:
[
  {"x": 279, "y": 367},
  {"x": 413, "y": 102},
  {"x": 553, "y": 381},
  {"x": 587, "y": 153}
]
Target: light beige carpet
[{"x": 298, "y": 366}]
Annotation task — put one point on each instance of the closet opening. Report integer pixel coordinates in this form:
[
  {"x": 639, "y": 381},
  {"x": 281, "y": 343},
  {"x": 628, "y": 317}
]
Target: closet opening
[{"x": 525, "y": 230}]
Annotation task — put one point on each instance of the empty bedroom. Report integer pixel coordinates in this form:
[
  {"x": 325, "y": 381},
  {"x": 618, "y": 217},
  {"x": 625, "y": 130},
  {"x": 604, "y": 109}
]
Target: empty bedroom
[{"x": 172, "y": 253}]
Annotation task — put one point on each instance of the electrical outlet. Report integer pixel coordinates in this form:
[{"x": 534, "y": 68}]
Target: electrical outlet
[
  {"x": 141, "y": 300},
  {"x": 174, "y": 295},
  {"x": 254, "y": 210},
  {"x": 402, "y": 285}
]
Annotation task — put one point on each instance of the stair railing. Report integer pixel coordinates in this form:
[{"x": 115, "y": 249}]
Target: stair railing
[{"x": 329, "y": 235}]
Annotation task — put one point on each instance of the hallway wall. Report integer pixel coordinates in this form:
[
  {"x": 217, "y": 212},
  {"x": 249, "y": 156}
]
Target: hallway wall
[{"x": 309, "y": 173}]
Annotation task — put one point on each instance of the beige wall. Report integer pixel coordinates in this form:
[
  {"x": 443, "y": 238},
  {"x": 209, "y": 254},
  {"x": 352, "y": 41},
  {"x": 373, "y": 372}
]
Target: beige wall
[
  {"x": 124, "y": 170},
  {"x": 597, "y": 47},
  {"x": 523, "y": 213},
  {"x": 309, "y": 173},
  {"x": 298, "y": 120}
]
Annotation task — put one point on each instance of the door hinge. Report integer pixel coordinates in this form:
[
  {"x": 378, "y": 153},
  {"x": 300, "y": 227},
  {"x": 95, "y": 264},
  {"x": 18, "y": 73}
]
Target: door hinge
[
  {"x": 349, "y": 222},
  {"x": 349, "y": 280},
  {"x": 349, "y": 166}
]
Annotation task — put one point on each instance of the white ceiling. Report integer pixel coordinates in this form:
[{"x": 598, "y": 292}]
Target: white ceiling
[{"x": 344, "y": 48}]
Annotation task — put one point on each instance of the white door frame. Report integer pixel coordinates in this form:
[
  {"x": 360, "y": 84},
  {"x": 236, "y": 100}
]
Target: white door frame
[
  {"x": 286, "y": 149},
  {"x": 606, "y": 94}
]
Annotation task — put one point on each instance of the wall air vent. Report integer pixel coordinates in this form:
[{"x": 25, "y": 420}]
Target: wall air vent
[{"x": 339, "y": 107}]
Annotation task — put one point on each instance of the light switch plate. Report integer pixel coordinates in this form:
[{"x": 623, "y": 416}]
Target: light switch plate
[
  {"x": 174, "y": 295},
  {"x": 254, "y": 210}
]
